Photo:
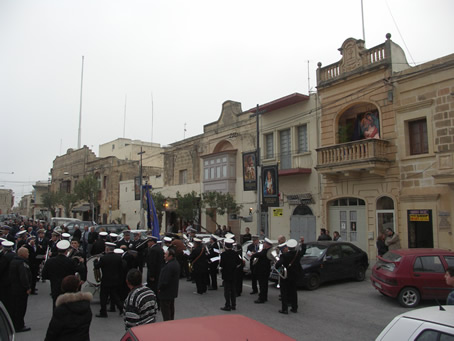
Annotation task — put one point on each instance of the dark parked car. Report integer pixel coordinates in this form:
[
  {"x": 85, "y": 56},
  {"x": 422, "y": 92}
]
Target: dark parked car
[
  {"x": 413, "y": 274},
  {"x": 112, "y": 228},
  {"x": 331, "y": 261}
]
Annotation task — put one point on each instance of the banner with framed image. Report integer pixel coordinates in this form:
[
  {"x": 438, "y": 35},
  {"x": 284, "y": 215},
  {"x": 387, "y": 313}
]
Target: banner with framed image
[
  {"x": 249, "y": 171},
  {"x": 270, "y": 186},
  {"x": 137, "y": 188}
]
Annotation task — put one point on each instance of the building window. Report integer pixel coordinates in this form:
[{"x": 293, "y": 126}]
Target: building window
[
  {"x": 183, "y": 176},
  {"x": 269, "y": 146},
  {"x": 65, "y": 186},
  {"x": 218, "y": 168},
  {"x": 302, "y": 139},
  {"x": 285, "y": 149},
  {"x": 104, "y": 185},
  {"x": 417, "y": 133}
]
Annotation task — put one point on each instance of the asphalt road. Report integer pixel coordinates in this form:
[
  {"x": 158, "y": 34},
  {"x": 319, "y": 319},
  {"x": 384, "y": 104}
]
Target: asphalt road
[{"x": 342, "y": 311}]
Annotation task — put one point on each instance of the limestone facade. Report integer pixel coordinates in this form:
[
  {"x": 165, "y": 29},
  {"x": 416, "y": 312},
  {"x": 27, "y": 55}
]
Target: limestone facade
[
  {"x": 386, "y": 146},
  {"x": 6, "y": 201}
]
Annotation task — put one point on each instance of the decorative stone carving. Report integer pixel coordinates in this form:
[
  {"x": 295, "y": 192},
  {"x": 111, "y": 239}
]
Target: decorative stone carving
[{"x": 351, "y": 55}]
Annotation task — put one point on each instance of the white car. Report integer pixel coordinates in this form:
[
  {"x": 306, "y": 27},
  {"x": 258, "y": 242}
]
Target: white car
[{"x": 429, "y": 324}]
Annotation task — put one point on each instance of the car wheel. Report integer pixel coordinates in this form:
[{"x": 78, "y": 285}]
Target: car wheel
[
  {"x": 313, "y": 281},
  {"x": 360, "y": 274},
  {"x": 409, "y": 297}
]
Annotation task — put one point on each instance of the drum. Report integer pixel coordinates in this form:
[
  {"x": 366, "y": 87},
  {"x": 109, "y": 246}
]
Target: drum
[{"x": 93, "y": 275}]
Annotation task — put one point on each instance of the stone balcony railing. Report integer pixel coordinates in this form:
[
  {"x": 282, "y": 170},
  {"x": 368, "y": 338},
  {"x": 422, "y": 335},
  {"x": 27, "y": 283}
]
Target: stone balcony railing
[{"x": 370, "y": 155}]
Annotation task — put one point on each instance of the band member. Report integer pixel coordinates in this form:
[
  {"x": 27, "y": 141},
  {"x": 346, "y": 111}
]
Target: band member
[
  {"x": 262, "y": 270},
  {"x": 154, "y": 260},
  {"x": 213, "y": 255},
  {"x": 99, "y": 245},
  {"x": 58, "y": 267},
  {"x": 141, "y": 248},
  {"x": 199, "y": 261},
  {"x": 75, "y": 252},
  {"x": 229, "y": 263},
  {"x": 33, "y": 263},
  {"x": 126, "y": 240},
  {"x": 290, "y": 259},
  {"x": 111, "y": 266},
  {"x": 252, "y": 249}
]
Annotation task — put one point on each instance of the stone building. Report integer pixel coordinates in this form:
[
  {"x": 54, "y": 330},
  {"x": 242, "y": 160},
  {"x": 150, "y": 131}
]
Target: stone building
[
  {"x": 70, "y": 168},
  {"x": 39, "y": 211},
  {"x": 6, "y": 201},
  {"x": 386, "y": 146}
]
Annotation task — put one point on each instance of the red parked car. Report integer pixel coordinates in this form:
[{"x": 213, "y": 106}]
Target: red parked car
[{"x": 413, "y": 274}]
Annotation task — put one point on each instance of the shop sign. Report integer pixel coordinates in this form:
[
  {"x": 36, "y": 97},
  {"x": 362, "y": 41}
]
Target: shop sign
[
  {"x": 298, "y": 199},
  {"x": 419, "y": 215},
  {"x": 278, "y": 212}
]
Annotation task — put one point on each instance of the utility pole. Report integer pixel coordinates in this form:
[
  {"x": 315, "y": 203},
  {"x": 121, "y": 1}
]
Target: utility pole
[
  {"x": 80, "y": 106},
  {"x": 259, "y": 169},
  {"x": 142, "y": 220}
]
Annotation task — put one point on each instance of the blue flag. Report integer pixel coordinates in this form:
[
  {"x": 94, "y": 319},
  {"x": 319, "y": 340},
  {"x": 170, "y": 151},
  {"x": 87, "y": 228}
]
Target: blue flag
[{"x": 152, "y": 221}]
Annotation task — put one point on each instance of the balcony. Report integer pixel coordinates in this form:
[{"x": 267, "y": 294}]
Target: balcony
[{"x": 352, "y": 158}]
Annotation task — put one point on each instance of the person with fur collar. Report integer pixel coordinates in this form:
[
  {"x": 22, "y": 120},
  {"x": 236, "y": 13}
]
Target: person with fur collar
[{"x": 72, "y": 315}]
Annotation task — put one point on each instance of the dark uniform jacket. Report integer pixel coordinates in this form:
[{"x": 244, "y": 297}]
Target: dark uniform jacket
[
  {"x": 111, "y": 265},
  {"x": 5, "y": 261},
  {"x": 77, "y": 234},
  {"x": 291, "y": 261},
  {"x": 230, "y": 261},
  {"x": 41, "y": 246},
  {"x": 55, "y": 269},
  {"x": 20, "y": 276},
  {"x": 99, "y": 246},
  {"x": 212, "y": 253},
  {"x": 155, "y": 260},
  {"x": 263, "y": 265},
  {"x": 169, "y": 279},
  {"x": 71, "y": 318},
  {"x": 199, "y": 264}
]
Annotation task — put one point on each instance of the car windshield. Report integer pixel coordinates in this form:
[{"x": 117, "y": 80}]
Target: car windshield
[{"x": 314, "y": 250}]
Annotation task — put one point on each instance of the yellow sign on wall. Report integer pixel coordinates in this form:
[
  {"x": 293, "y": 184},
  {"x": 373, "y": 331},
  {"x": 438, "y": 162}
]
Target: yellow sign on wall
[
  {"x": 419, "y": 217},
  {"x": 278, "y": 212}
]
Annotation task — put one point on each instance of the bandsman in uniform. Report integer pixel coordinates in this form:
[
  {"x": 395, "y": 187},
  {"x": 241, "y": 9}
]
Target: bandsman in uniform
[
  {"x": 252, "y": 249},
  {"x": 199, "y": 261},
  {"x": 33, "y": 262},
  {"x": 290, "y": 259},
  {"x": 58, "y": 267},
  {"x": 262, "y": 270},
  {"x": 230, "y": 261},
  {"x": 111, "y": 266},
  {"x": 213, "y": 255},
  {"x": 99, "y": 245}
]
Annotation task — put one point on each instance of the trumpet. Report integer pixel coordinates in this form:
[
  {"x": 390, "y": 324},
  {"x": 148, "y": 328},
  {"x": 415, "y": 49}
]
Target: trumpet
[{"x": 273, "y": 255}]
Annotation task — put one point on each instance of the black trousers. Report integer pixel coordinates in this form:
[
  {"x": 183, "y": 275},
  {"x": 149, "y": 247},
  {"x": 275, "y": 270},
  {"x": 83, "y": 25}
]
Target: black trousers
[
  {"x": 214, "y": 276},
  {"x": 230, "y": 294},
  {"x": 263, "y": 285},
  {"x": 239, "y": 281},
  {"x": 168, "y": 309},
  {"x": 112, "y": 292},
  {"x": 200, "y": 282},
  {"x": 289, "y": 294},
  {"x": 18, "y": 309}
]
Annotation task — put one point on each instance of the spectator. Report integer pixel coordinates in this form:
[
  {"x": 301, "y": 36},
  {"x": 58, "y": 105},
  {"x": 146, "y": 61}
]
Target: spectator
[
  {"x": 140, "y": 305},
  {"x": 168, "y": 285},
  {"x": 72, "y": 315}
]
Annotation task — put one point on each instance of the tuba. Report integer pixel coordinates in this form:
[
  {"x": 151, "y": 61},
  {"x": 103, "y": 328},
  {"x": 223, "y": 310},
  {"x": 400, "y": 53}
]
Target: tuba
[{"x": 273, "y": 255}]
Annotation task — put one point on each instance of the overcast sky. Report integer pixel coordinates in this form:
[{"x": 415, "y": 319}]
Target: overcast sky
[{"x": 189, "y": 56}]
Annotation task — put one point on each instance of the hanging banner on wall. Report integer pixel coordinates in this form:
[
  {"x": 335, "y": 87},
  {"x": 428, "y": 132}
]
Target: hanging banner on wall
[
  {"x": 137, "y": 188},
  {"x": 270, "y": 186},
  {"x": 249, "y": 171}
]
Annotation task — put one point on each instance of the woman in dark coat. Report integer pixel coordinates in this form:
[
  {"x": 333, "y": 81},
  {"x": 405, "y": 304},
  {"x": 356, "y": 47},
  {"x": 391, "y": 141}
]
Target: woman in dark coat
[{"x": 72, "y": 315}]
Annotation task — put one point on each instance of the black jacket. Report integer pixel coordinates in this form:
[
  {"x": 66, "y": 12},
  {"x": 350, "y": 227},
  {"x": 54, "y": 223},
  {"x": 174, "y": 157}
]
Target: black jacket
[
  {"x": 230, "y": 261},
  {"x": 99, "y": 246},
  {"x": 155, "y": 260},
  {"x": 169, "y": 279},
  {"x": 199, "y": 264},
  {"x": 111, "y": 265},
  {"x": 291, "y": 261},
  {"x": 71, "y": 318},
  {"x": 55, "y": 269},
  {"x": 263, "y": 265},
  {"x": 20, "y": 276}
]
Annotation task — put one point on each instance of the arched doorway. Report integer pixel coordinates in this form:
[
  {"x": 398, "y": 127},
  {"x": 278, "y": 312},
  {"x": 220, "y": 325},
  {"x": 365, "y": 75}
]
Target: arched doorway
[{"x": 302, "y": 223}]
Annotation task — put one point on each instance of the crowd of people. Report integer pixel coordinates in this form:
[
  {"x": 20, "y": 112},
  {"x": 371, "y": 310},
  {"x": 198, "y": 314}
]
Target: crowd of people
[{"x": 31, "y": 252}]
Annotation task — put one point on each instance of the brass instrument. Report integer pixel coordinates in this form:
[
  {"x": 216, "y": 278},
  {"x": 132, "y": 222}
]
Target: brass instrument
[
  {"x": 255, "y": 260},
  {"x": 273, "y": 255}
]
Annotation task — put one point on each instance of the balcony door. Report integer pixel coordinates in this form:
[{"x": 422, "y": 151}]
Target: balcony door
[{"x": 285, "y": 149}]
